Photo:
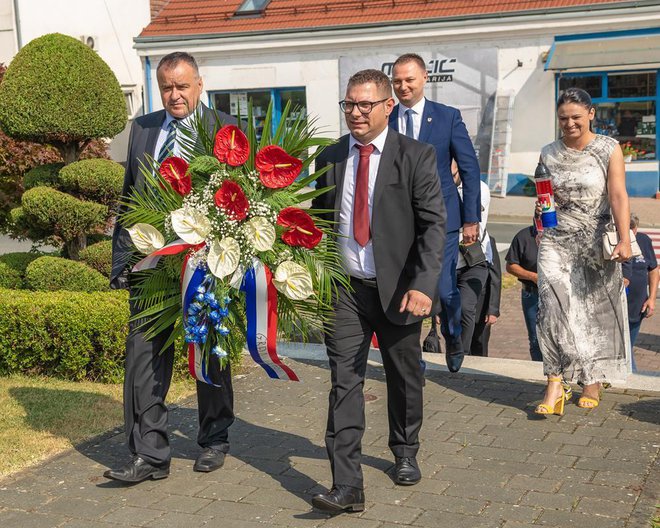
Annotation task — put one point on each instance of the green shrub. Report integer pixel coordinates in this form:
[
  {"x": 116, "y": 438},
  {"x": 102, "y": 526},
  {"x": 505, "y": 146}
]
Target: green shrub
[
  {"x": 43, "y": 175},
  {"x": 9, "y": 277},
  {"x": 66, "y": 334},
  {"x": 98, "y": 180},
  {"x": 55, "y": 273},
  {"x": 67, "y": 216},
  {"x": 99, "y": 257},
  {"x": 18, "y": 262},
  {"x": 59, "y": 91}
]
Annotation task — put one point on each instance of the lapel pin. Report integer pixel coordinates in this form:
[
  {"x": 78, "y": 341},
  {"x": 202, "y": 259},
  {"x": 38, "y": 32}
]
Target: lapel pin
[{"x": 429, "y": 119}]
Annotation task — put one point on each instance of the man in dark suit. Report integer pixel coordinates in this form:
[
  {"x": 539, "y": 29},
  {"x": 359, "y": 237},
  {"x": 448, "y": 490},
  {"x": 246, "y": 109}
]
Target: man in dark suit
[
  {"x": 148, "y": 372},
  {"x": 442, "y": 126},
  {"x": 390, "y": 219}
]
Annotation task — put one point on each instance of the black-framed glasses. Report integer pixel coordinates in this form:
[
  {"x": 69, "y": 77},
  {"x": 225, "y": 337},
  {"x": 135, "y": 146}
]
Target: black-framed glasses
[{"x": 365, "y": 107}]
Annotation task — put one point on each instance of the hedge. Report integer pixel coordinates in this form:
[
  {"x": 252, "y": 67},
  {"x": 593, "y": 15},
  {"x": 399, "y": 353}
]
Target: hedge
[
  {"x": 43, "y": 175},
  {"x": 66, "y": 334},
  {"x": 19, "y": 261},
  {"x": 98, "y": 180},
  {"x": 99, "y": 257},
  {"x": 9, "y": 277},
  {"x": 55, "y": 273}
]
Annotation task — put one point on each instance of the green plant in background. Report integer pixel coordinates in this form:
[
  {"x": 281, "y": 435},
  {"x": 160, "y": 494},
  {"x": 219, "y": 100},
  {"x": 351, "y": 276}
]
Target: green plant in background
[
  {"x": 58, "y": 91},
  {"x": 99, "y": 257},
  {"x": 55, "y": 273}
]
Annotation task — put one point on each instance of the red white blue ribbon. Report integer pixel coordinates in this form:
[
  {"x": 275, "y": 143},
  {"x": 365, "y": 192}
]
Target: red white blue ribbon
[
  {"x": 261, "y": 312},
  {"x": 191, "y": 279},
  {"x": 152, "y": 259}
]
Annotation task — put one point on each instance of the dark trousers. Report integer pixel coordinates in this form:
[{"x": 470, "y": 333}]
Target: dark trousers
[
  {"x": 146, "y": 382},
  {"x": 357, "y": 316},
  {"x": 450, "y": 297},
  {"x": 471, "y": 281},
  {"x": 481, "y": 335},
  {"x": 529, "y": 299}
]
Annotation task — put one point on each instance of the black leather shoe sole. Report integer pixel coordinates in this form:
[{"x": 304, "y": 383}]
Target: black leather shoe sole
[
  {"x": 156, "y": 474},
  {"x": 332, "y": 507}
]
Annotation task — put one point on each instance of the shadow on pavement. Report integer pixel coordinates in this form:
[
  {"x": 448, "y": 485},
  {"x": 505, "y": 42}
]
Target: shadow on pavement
[{"x": 644, "y": 410}]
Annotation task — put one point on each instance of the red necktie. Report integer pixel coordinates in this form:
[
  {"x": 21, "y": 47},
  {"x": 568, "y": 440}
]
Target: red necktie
[{"x": 361, "y": 197}]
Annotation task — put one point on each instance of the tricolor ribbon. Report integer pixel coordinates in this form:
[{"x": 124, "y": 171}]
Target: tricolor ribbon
[
  {"x": 260, "y": 306},
  {"x": 261, "y": 312}
]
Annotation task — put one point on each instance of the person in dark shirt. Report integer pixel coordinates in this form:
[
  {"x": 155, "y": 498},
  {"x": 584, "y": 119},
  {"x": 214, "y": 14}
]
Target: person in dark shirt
[
  {"x": 488, "y": 305},
  {"x": 521, "y": 263},
  {"x": 640, "y": 275}
]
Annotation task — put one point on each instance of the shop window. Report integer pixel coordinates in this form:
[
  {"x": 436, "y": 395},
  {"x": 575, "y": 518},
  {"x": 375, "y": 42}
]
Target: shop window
[
  {"x": 236, "y": 101},
  {"x": 631, "y": 85},
  {"x": 626, "y": 108},
  {"x": 592, "y": 84}
]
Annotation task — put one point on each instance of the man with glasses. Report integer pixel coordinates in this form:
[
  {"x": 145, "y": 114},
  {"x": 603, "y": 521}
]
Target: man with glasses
[
  {"x": 442, "y": 126},
  {"x": 389, "y": 218}
]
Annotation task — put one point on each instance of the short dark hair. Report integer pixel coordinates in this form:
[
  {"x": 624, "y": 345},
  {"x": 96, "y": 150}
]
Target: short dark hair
[
  {"x": 410, "y": 57},
  {"x": 172, "y": 59},
  {"x": 577, "y": 96},
  {"x": 377, "y": 77}
]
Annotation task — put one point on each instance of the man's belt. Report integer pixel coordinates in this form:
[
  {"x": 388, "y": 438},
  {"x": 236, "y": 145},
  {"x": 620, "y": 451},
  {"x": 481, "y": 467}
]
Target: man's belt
[{"x": 370, "y": 283}]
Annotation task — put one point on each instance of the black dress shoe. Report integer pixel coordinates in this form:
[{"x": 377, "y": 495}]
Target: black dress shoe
[
  {"x": 138, "y": 470},
  {"x": 340, "y": 499},
  {"x": 210, "y": 460},
  {"x": 406, "y": 471},
  {"x": 454, "y": 356}
]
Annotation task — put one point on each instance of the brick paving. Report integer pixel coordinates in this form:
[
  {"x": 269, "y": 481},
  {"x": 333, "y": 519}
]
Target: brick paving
[{"x": 487, "y": 461}]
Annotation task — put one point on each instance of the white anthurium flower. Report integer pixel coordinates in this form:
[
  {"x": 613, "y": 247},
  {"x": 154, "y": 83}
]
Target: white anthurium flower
[
  {"x": 293, "y": 280},
  {"x": 260, "y": 232},
  {"x": 190, "y": 225},
  {"x": 146, "y": 238},
  {"x": 223, "y": 257}
]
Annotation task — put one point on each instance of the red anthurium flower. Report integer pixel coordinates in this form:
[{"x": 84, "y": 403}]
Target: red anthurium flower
[
  {"x": 231, "y": 146},
  {"x": 276, "y": 168},
  {"x": 231, "y": 198},
  {"x": 174, "y": 170},
  {"x": 301, "y": 228}
]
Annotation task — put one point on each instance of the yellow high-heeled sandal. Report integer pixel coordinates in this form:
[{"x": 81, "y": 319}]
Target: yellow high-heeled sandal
[
  {"x": 585, "y": 402},
  {"x": 568, "y": 391},
  {"x": 558, "y": 407}
]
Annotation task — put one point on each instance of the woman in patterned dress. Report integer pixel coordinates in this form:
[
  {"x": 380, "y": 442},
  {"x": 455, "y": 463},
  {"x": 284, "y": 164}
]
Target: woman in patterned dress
[{"x": 582, "y": 323}]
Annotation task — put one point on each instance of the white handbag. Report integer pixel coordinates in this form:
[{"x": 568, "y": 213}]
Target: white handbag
[{"x": 611, "y": 239}]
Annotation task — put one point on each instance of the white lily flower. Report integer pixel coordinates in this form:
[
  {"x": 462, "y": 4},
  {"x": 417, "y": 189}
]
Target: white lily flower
[
  {"x": 260, "y": 232},
  {"x": 190, "y": 225},
  {"x": 223, "y": 257},
  {"x": 146, "y": 238},
  {"x": 293, "y": 280}
]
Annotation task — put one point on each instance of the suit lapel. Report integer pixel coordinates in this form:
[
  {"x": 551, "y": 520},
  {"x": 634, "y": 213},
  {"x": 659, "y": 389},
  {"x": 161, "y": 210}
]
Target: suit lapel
[
  {"x": 339, "y": 171},
  {"x": 152, "y": 134},
  {"x": 428, "y": 120},
  {"x": 386, "y": 165},
  {"x": 394, "y": 118}
]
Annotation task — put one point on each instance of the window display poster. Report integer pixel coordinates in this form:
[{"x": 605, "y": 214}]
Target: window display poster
[
  {"x": 238, "y": 100},
  {"x": 463, "y": 78}
]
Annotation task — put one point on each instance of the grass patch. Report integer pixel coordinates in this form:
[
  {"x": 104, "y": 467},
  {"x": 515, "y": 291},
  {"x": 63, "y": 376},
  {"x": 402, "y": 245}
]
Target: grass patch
[
  {"x": 40, "y": 417},
  {"x": 509, "y": 281}
]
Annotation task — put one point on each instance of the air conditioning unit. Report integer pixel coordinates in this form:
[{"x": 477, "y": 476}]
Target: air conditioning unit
[{"x": 90, "y": 40}]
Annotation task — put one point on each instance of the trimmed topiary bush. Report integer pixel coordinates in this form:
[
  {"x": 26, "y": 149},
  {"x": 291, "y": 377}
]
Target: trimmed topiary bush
[
  {"x": 59, "y": 91},
  {"x": 99, "y": 180},
  {"x": 66, "y": 334},
  {"x": 55, "y": 273},
  {"x": 99, "y": 257},
  {"x": 43, "y": 176},
  {"x": 9, "y": 277}
]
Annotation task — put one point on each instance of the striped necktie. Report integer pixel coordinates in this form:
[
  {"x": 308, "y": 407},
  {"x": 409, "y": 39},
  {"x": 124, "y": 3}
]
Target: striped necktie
[
  {"x": 410, "y": 130},
  {"x": 167, "y": 149}
]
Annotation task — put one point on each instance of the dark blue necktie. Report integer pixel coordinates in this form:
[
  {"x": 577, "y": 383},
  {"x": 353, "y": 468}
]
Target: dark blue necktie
[
  {"x": 167, "y": 149},
  {"x": 410, "y": 130}
]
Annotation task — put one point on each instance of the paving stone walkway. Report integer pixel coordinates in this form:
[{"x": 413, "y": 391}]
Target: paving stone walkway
[{"x": 487, "y": 461}]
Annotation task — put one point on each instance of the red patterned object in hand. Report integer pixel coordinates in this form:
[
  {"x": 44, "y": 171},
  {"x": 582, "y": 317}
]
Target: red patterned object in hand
[
  {"x": 174, "y": 170},
  {"x": 231, "y": 146},
  {"x": 231, "y": 198},
  {"x": 301, "y": 228},
  {"x": 276, "y": 168}
]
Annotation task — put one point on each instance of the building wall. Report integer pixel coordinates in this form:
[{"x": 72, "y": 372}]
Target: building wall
[{"x": 7, "y": 31}]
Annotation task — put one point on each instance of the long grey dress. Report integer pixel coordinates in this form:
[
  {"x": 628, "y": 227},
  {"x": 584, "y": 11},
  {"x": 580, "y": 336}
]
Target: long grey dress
[{"x": 582, "y": 324}]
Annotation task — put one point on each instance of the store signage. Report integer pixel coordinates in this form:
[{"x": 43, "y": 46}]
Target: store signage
[{"x": 439, "y": 70}]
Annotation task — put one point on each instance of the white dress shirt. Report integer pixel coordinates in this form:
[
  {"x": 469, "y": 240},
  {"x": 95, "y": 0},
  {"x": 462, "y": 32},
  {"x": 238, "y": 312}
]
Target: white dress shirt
[
  {"x": 358, "y": 260},
  {"x": 417, "y": 113},
  {"x": 186, "y": 122}
]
